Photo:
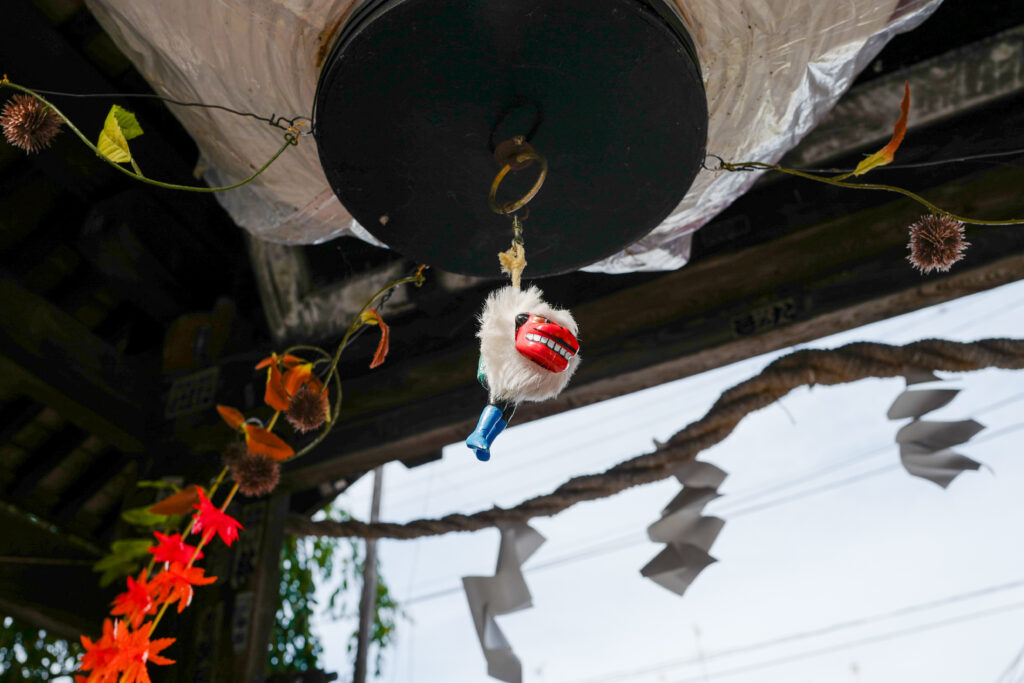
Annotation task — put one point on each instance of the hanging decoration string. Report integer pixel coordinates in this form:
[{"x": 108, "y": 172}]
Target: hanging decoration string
[
  {"x": 806, "y": 367},
  {"x": 292, "y": 134},
  {"x": 514, "y": 155},
  {"x": 838, "y": 181},
  {"x": 274, "y": 120},
  {"x": 882, "y": 157}
]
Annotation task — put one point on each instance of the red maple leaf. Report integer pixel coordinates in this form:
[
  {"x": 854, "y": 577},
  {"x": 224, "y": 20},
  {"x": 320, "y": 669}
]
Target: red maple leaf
[
  {"x": 99, "y": 656},
  {"x": 174, "y": 584},
  {"x": 174, "y": 549},
  {"x": 135, "y": 649},
  {"x": 135, "y": 603},
  {"x": 210, "y": 520}
]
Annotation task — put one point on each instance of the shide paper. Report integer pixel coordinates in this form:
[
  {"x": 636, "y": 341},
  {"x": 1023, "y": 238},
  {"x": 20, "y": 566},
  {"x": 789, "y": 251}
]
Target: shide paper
[
  {"x": 925, "y": 444},
  {"x": 503, "y": 593},
  {"x": 687, "y": 533}
]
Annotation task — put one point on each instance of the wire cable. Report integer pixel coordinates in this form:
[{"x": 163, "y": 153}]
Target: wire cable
[
  {"x": 636, "y": 538},
  {"x": 813, "y": 633},
  {"x": 281, "y": 122},
  {"x": 971, "y": 616}
]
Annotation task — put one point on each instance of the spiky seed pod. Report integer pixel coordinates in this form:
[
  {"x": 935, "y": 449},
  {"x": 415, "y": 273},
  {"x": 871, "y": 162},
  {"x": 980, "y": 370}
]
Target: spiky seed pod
[
  {"x": 308, "y": 409},
  {"x": 28, "y": 123},
  {"x": 234, "y": 451},
  {"x": 936, "y": 243},
  {"x": 256, "y": 475}
]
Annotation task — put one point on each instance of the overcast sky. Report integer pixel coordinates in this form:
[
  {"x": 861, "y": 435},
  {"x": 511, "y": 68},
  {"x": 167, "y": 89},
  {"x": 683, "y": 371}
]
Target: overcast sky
[{"x": 855, "y": 569}]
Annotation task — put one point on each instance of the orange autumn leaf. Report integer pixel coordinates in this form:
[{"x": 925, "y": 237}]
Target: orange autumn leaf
[
  {"x": 233, "y": 417},
  {"x": 260, "y": 441},
  {"x": 178, "y": 503},
  {"x": 371, "y": 317},
  {"x": 135, "y": 650},
  {"x": 886, "y": 154},
  {"x": 275, "y": 395},
  {"x": 174, "y": 584},
  {"x": 287, "y": 360},
  {"x": 296, "y": 376}
]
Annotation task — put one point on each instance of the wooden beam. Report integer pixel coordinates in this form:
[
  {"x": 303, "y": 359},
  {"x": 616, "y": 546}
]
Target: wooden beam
[
  {"x": 105, "y": 467},
  {"x": 265, "y": 585},
  {"x": 16, "y": 415},
  {"x": 840, "y": 273},
  {"x": 44, "y": 460},
  {"x": 59, "y": 362}
]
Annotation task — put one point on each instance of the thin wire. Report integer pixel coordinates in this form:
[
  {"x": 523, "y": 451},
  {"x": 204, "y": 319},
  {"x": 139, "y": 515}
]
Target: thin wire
[
  {"x": 635, "y": 538},
  {"x": 971, "y": 616},
  {"x": 921, "y": 164},
  {"x": 761, "y": 166},
  {"x": 812, "y": 633},
  {"x": 274, "y": 120},
  {"x": 1006, "y": 676},
  {"x": 853, "y": 479}
]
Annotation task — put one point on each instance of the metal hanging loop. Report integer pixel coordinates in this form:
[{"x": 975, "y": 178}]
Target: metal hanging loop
[{"x": 514, "y": 155}]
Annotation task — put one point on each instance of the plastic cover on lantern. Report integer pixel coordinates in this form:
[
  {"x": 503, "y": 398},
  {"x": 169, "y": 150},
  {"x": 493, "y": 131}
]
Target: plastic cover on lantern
[{"x": 772, "y": 69}]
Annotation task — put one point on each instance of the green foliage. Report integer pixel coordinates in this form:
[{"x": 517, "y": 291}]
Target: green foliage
[
  {"x": 28, "y": 654},
  {"x": 337, "y": 562},
  {"x": 157, "y": 484},
  {"x": 144, "y": 518},
  {"x": 120, "y": 127},
  {"x": 126, "y": 557}
]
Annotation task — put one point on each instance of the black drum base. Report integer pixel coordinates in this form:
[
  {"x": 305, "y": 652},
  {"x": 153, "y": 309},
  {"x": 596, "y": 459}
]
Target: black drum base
[{"x": 416, "y": 95}]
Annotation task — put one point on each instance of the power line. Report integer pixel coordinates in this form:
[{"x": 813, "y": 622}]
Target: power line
[
  {"x": 863, "y": 641},
  {"x": 1008, "y": 674},
  {"x": 803, "y": 635},
  {"x": 637, "y": 539},
  {"x": 855, "y": 478},
  {"x": 761, "y": 493}
]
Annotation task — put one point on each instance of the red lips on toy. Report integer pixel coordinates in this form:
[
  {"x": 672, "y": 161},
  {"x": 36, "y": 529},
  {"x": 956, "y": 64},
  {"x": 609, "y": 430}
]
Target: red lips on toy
[{"x": 546, "y": 343}]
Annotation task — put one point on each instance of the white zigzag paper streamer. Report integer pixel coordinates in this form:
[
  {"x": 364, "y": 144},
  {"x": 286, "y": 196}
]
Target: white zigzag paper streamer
[
  {"x": 925, "y": 444},
  {"x": 505, "y": 592},
  {"x": 688, "y": 534}
]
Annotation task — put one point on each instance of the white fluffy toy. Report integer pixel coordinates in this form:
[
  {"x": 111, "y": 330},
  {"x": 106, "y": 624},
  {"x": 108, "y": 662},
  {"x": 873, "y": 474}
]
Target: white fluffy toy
[{"x": 528, "y": 352}]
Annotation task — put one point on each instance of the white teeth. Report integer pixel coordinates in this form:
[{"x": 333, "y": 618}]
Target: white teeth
[{"x": 551, "y": 344}]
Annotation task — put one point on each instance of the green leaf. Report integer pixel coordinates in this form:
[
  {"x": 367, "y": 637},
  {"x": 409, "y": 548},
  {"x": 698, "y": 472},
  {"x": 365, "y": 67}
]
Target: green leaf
[
  {"x": 143, "y": 517},
  {"x": 126, "y": 120},
  {"x": 120, "y": 127},
  {"x": 122, "y": 560},
  {"x": 132, "y": 547},
  {"x": 157, "y": 484}
]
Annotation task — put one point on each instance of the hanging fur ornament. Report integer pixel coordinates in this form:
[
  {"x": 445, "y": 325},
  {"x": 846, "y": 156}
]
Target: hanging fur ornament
[
  {"x": 528, "y": 352},
  {"x": 528, "y": 348}
]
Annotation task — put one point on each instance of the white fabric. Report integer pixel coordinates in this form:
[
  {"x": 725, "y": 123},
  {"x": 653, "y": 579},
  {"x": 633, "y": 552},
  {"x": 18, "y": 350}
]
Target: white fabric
[{"x": 771, "y": 68}]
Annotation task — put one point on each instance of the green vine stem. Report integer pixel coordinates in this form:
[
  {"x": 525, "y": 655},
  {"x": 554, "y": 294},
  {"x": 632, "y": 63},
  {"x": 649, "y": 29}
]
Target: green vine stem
[
  {"x": 838, "y": 182},
  {"x": 332, "y": 373},
  {"x": 290, "y": 140},
  {"x": 357, "y": 321}
]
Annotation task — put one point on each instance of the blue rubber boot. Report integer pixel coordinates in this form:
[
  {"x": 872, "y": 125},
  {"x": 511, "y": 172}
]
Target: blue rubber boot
[{"x": 487, "y": 429}]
